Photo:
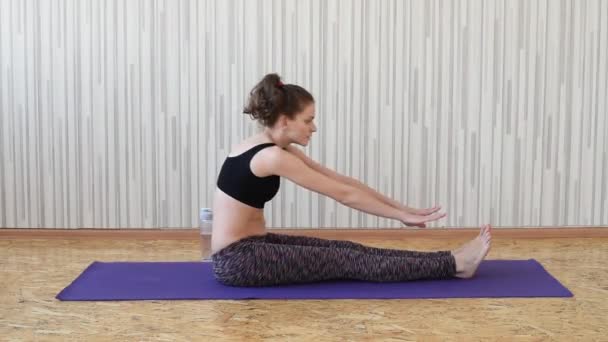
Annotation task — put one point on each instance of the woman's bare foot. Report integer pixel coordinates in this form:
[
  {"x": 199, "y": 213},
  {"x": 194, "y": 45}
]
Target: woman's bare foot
[
  {"x": 468, "y": 243},
  {"x": 469, "y": 256}
]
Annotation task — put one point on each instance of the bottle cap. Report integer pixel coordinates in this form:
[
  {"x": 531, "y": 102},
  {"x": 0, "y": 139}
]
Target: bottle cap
[{"x": 206, "y": 214}]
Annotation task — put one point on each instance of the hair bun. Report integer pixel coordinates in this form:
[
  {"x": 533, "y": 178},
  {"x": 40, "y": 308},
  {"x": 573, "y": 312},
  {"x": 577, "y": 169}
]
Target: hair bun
[{"x": 271, "y": 97}]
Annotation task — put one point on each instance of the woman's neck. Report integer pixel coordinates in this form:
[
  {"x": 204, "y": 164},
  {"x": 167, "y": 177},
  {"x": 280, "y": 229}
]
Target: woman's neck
[{"x": 275, "y": 137}]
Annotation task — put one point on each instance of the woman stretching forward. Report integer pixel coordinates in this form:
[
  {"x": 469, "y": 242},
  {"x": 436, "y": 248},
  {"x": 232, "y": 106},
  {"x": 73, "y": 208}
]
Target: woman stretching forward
[{"x": 245, "y": 254}]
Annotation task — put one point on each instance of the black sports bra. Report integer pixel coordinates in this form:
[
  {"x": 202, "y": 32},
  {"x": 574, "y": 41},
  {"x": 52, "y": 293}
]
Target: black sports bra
[{"x": 237, "y": 180}]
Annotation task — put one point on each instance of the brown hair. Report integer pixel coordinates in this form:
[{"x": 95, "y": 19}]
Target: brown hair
[{"x": 270, "y": 98}]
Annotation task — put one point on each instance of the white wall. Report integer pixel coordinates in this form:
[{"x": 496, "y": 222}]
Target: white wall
[{"x": 119, "y": 113}]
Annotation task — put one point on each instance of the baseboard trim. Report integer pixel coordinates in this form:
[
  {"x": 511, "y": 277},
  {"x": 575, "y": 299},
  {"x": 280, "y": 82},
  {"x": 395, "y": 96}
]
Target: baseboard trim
[{"x": 190, "y": 234}]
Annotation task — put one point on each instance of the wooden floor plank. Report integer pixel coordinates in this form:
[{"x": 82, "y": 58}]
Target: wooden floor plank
[{"x": 187, "y": 234}]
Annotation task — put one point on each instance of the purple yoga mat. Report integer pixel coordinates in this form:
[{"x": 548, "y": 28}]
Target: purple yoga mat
[{"x": 194, "y": 280}]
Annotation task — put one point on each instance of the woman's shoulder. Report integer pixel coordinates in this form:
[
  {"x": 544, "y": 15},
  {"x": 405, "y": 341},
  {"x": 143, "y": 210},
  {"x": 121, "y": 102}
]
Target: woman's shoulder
[{"x": 246, "y": 145}]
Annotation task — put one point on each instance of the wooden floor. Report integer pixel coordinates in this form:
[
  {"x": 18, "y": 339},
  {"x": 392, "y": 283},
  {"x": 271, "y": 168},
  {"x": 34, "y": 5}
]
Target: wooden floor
[{"x": 33, "y": 271}]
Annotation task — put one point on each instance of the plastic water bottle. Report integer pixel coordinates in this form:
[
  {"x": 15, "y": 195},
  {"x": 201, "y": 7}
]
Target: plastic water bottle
[{"x": 206, "y": 226}]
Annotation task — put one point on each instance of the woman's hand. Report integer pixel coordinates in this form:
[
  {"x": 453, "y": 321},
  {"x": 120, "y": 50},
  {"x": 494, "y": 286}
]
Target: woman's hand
[{"x": 414, "y": 220}]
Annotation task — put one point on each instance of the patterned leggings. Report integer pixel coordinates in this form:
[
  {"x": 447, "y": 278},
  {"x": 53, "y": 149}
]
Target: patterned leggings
[{"x": 276, "y": 259}]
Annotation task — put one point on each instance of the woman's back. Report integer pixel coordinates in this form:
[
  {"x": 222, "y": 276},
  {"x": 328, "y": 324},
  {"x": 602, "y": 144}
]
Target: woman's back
[{"x": 233, "y": 219}]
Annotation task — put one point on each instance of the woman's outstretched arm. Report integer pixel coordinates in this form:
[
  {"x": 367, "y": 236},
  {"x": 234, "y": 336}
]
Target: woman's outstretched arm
[
  {"x": 287, "y": 165},
  {"x": 358, "y": 184}
]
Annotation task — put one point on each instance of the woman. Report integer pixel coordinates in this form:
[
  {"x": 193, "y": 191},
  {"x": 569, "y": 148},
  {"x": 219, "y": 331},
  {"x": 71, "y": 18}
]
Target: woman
[{"x": 244, "y": 254}]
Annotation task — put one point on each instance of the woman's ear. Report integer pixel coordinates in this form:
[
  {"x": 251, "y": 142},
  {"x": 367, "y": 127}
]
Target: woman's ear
[{"x": 282, "y": 121}]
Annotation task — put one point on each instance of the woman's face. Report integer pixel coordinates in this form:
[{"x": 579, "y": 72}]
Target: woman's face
[{"x": 302, "y": 126}]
